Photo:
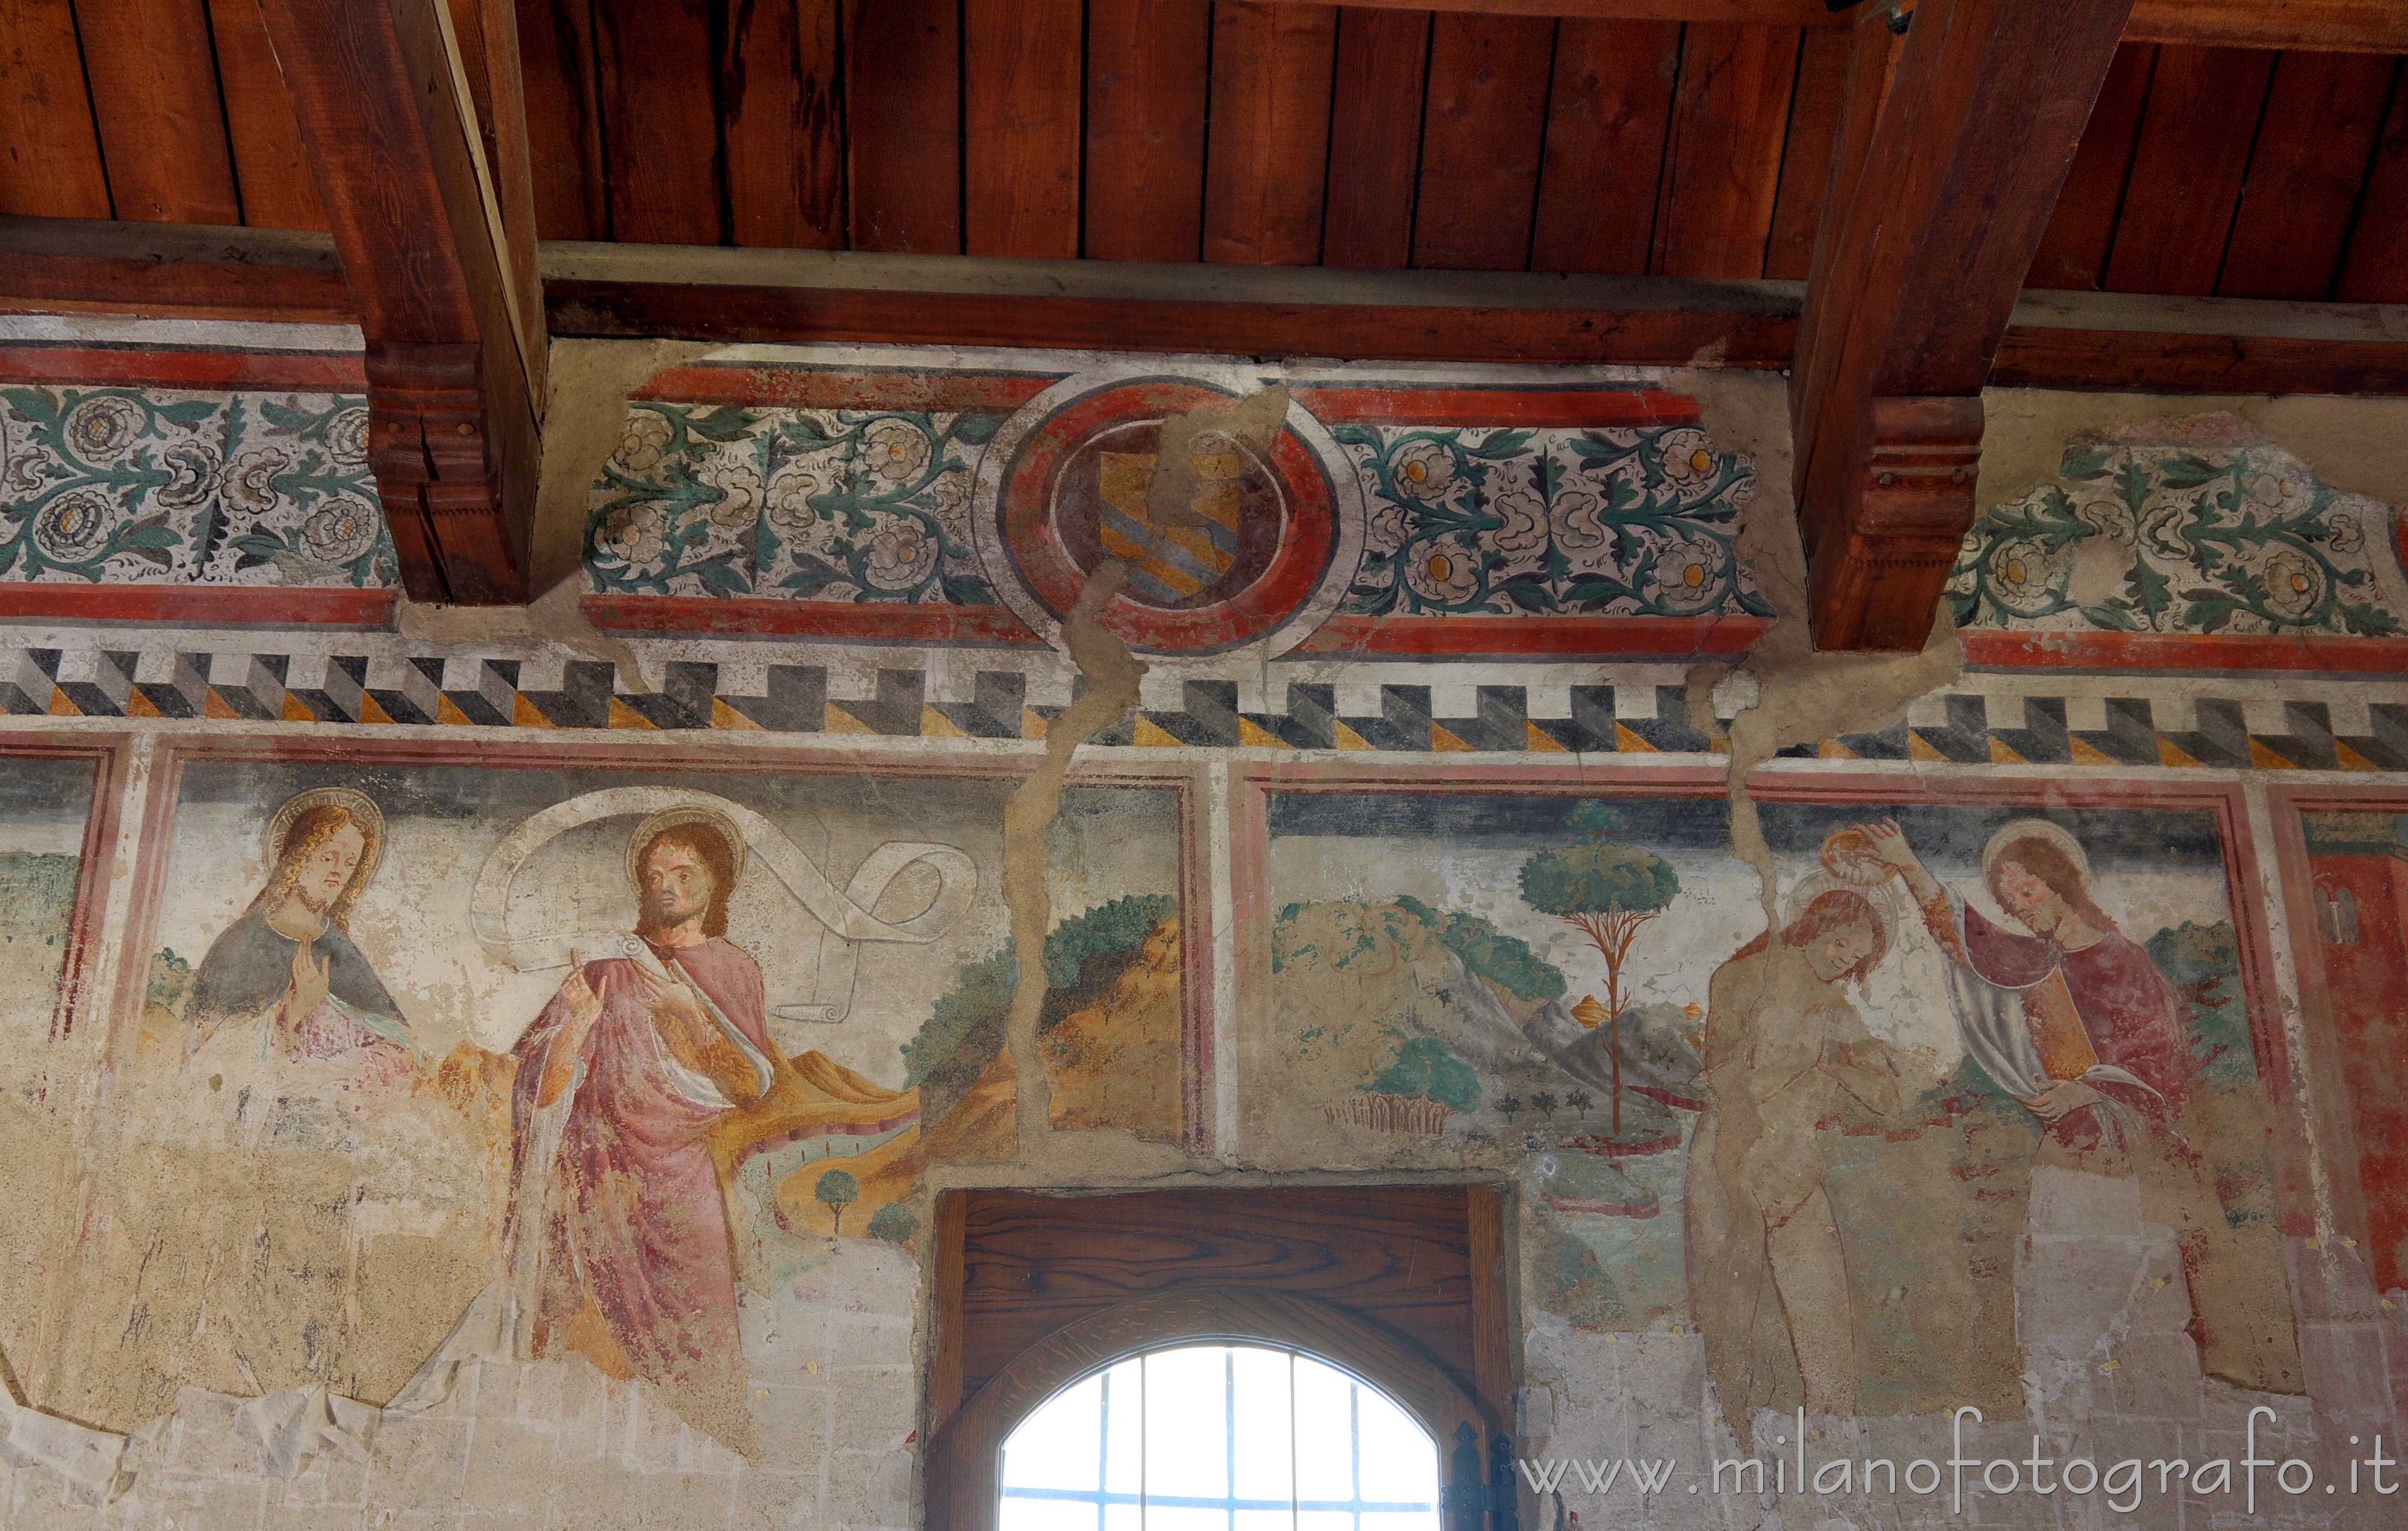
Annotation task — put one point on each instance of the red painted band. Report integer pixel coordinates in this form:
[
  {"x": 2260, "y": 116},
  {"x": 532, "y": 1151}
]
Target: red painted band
[
  {"x": 889, "y": 622},
  {"x": 830, "y": 388},
  {"x": 266, "y": 605},
  {"x": 1524, "y": 637},
  {"x": 1626, "y": 407},
  {"x": 2186, "y": 652}
]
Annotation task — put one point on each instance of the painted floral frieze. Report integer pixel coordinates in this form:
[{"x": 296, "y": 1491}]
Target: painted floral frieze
[
  {"x": 822, "y": 505},
  {"x": 1606, "y": 522},
  {"x": 157, "y": 486},
  {"x": 2196, "y": 527}
]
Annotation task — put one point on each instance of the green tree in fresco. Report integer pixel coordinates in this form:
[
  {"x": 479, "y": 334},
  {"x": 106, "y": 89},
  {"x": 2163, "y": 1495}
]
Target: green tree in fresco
[
  {"x": 837, "y": 1190},
  {"x": 1605, "y": 891}
]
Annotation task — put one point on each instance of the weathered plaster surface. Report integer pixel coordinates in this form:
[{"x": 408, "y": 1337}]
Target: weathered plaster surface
[{"x": 2088, "y": 1291}]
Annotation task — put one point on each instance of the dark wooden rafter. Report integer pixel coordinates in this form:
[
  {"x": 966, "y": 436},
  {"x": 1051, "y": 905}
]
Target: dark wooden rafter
[
  {"x": 2362, "y": 26},
  {"x": 452, "y": 318},
  {"x": 1927, "y": 233}
]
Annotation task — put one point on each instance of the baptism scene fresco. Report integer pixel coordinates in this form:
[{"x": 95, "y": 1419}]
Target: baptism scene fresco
[
  {"x": 614, "y": 1064},
  {"x": 1824, "y": 1151}
]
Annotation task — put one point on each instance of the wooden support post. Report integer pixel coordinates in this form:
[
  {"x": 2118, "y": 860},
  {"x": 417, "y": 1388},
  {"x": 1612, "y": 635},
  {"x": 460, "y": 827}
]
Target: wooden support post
[
  {"x": 451, "y": 315},
  {"x": 1930, "y": 228}
]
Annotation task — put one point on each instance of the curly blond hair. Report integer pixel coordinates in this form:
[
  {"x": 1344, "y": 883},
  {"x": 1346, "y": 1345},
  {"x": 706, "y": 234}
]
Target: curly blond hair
[{"x": 312, "y": 828}]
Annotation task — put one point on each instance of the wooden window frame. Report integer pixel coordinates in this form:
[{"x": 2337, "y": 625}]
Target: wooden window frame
[{"x": 1403, "y": 1285}]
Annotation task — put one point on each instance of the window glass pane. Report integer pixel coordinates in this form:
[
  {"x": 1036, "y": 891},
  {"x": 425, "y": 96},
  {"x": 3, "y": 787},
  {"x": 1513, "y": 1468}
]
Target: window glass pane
[
  {"x": 1162, "y": 1517},
  {"x": 1399, "y": 1466},
  {"x": 1214, "y": 1437},
  {"x": 1186, "y": 1430},
  {"x": 1260, "y": 1412},
  {"x": 1055, "y": 1447},
  {"x": 1325, "y": 1435},
  {"x": 1124, "y": 1434},
  {"x": 1019, "y": 1514}
]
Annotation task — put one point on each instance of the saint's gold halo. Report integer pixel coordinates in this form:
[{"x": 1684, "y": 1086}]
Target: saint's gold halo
[
  {"x": 684, "y": 813},
  {"x": 363, "y": 812},
  {"x": 2034, "y": 829}
]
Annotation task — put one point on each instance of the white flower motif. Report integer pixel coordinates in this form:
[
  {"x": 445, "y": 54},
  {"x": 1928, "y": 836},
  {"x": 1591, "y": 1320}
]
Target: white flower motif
[
  {"x": 340, "y": 530},
  {"x": 194, "y": 470},
  {"x": 71, "y": 528},
  {"x": 347, "y": 437},
  {"x": 2295, "y": 583},
  {"x": 738, "y": 483},
  {"x": 893, "y": 450},
  {"x": 250, "y": 483},
  {"x": 1579, "y": 518},
  {"x": 643, "y": 441},
  {"x": 789, "y": 496},
  {"x": 1688, "y": 459},
  {"x": 103, "y": 428},
  {"x": 2344, "y": 534},
  {"x": 2276, "y": 494},
  {"x": 2024, "y": 575},
  {"x": 1443, "y": 571},
  {"x": 26, "y": 471},
  {"x": 902, "y": 555},
  {"x": 1687, "y": 574},
  {"x": 1424, "y": 470},
  {"x": 1391, "y": 526},
  {"x": 1524, "y": 518},
  {"x": 632, "y": 534}
]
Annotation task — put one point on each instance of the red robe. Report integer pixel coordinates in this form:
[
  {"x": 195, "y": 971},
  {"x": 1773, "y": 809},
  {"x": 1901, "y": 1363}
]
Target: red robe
[
  {"x": 634, "y": 1221},
  {"x": 2123, "y": 1013},
  {"x": 2108, "y": 1003}
]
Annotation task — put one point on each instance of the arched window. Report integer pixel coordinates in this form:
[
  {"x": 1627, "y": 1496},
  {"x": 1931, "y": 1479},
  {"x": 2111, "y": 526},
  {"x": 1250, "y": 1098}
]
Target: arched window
[{"x": 1219, "y": 1438}]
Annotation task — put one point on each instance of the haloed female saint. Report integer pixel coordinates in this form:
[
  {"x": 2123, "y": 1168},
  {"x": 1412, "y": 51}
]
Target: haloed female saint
[{"x": 287, "y": 969}]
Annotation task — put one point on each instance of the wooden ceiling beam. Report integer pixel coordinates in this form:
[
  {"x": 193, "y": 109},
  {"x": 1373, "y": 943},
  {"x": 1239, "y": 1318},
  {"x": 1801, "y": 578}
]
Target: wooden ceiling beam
[
  {"x": 455, "y": 346},
  {"x": 1927, "y": 234},
  {"x": 74, "y": 265},
  {"x": 2354, "y": 26}
]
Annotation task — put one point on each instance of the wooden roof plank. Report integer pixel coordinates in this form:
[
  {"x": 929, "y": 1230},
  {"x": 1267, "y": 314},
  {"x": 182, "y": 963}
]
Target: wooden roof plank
[
  {"x": 1484, "y": 131},
  {"x": 1722, "y": 161},
  {"x": 1815, "y": 111},
  {"x": 2376, "y": 270},
  {"x": 2322, "y": 115},
  {"x": 1022, "y": 61},
  {"x": 48, "y": 143},
  {"x": 1266, "y": 168},
  {"x": 563, "y": 115},
  {"x": 2365, "y": 26},
  {"x": 1375, "y": 137},
  {"x": 2204, "y": 105},
  {"x": 1147, "y": 83},
  {"x": 2082, "y": 230},
  {"x": 1607, "y": 113},
  {"x": 155, "y": 97},
  {"x": 903, "y": 125},
  {"x": 783, "y": 115},
  {"x": 660, "y": 127},
  {"x": 271, "y": 173}
]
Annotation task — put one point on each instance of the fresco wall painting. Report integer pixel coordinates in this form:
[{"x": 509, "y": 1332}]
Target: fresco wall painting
[
  {"x": 611, "y": 1055},
  {"x": 1471, "y": 972}
]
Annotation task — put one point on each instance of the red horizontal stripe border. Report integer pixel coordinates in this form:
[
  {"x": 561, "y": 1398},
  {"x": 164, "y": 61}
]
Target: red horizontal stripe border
[
  {"x": 1535, "y": 637},
  {"x": 884, "y": 622},
  {"x": 2185, "y": 651},
  {"x": 261, "y": 606}
]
